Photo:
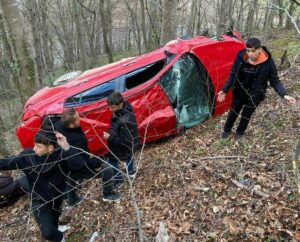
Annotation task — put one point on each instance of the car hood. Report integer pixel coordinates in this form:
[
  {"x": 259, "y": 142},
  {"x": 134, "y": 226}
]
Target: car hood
[{"x": 48, "y": 100}]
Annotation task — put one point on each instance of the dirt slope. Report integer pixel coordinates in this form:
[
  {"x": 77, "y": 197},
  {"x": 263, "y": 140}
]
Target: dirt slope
[{"x": 192, "y": 184}]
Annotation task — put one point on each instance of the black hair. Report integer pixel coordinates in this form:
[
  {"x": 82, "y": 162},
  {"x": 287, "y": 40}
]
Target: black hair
[
  {"x": 115, "y": 98},
  {"x": 253, "y": 43},
  {"x": 68, "y": 117},
  {"x": 45, "y": 138}
]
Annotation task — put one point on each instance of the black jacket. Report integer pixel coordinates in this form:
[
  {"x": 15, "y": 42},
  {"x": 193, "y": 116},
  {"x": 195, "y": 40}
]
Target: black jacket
[
  {"x": 46, "y": 175},
  {"x": 123, "y": 130},
  {"x": 264, "y": 72},
  {"x": 77, "y": 139}
]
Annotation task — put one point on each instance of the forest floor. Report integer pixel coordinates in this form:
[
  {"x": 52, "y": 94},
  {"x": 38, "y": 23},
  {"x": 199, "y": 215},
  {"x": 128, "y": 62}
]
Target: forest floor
[{"x": 201, "y": 188}]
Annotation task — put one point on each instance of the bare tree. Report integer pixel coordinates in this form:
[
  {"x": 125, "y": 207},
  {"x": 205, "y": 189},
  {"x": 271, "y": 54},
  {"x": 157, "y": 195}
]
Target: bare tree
[
  {"x": 168, "y": 21},
  {"x": 250, "y": 17},
  {"x": 105, "y": 12},
  {"x": 80, "y": 38},
  {"x": 17, "y": 44}
]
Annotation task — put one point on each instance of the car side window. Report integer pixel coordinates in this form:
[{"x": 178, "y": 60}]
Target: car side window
[
  {"x": 142, "y": 75},
  {"x": 91, "y": 95}
]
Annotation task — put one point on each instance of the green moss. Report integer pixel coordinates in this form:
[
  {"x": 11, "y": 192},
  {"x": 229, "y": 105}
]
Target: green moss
[{"x": 286, "y": 39}]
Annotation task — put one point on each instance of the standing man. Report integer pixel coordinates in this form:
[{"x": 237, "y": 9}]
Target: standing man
[
  {"x": 69, "y": 126},
  {"x": 252, "y": 69},
  {"x": 122, "y": 136}
]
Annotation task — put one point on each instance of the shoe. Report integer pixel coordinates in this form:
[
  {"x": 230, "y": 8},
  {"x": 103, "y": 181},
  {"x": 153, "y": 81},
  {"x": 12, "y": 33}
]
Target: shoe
[
  {"x": 239, "y": 137},
  {"x": 63, "y": 228},
  {"x": 112, "y": 197},
  {"x": 76, "y": 202},
  {"x": 225, "y": 135},
  {"x": 132, "y": 173}
]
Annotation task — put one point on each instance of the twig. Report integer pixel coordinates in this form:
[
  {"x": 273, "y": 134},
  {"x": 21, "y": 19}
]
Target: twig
[
  {"x": 292, "y": 64},
  {"x": 295, "y": 166},
  {"x": 253, "y": 191},
  {"x": 288, "y": 14},
  {"x": 220, "y": 157}
]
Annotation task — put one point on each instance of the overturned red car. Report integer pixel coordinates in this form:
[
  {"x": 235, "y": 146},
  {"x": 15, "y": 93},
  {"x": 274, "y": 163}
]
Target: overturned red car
[{"x": 169, "y": 88}]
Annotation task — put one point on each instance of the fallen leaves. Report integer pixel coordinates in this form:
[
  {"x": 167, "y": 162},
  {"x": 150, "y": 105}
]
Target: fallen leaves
[{"x": 200, "y": 188}]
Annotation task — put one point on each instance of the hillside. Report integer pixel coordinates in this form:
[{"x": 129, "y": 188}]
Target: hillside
[{"x": 193, "y": 183}]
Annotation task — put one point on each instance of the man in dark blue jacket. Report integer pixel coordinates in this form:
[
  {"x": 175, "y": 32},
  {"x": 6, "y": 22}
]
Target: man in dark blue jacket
[
  {"x": 69, "y": 126},
  {"x": 249, "y": 76},
  {"x": 46, "y": 167},
  {"x": 122, "y": 136}
]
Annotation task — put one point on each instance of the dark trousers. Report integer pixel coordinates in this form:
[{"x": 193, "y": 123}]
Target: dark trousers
[
  {"x": 107, "y": 180},
  {"x": 47, "y": 216},
  {"x": 114, "y": 162},
  {"x": 248, "y": 106}
]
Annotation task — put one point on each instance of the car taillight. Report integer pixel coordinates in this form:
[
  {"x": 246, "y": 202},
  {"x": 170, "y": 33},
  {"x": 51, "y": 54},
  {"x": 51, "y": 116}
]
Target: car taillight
[{"x": 26, "y": 131}]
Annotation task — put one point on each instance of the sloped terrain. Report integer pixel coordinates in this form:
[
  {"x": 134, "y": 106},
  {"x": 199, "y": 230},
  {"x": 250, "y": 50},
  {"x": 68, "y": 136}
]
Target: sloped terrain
[{"x": 203, "y": 189}]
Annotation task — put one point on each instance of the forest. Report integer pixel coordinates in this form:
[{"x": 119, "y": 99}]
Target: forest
[{"x": 190, "y": 187}]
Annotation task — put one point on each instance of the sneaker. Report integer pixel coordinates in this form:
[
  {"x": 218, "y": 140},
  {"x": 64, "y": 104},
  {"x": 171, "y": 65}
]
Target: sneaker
[
  {"x": 76, "y": 202},
  {"x": 113, "y": 197},
  {"x": 225, "y": 135},
  {"x": 132, "y": 173},
  {"x": 239, "y": 137},
  {"x": 63, "y": 228}
]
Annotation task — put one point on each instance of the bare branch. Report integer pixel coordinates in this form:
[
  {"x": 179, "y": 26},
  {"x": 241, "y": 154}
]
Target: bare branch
[{"x": 288, "y": 14}]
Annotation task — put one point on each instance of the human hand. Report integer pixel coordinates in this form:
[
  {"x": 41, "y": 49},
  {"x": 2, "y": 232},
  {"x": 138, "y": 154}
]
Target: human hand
[
  {"x": 62, "y": 141},
  {"x": 221, "y": 96},
  {"x": 106, "y": 135},
  {"x": 290, "y": 99}
]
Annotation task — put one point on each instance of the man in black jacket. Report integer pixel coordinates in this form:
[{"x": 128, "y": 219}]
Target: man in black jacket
[
  {"x": 122, "y": 136},
  {"x": 249, "y": 76},
  {"x": 46, "y": 167},
  {"x": 69, "y": 126}
]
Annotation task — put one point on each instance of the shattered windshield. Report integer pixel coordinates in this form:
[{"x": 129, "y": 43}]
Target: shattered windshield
[{"x": 187, "y": 86}]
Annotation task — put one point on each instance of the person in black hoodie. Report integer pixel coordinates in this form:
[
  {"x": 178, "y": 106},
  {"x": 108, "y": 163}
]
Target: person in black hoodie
[
  {"x": 46, "y": 167},
  {"x": 252, "y": 69},
  {"x": 69, "y": 126},
  {"x": 122, "y": 136}
]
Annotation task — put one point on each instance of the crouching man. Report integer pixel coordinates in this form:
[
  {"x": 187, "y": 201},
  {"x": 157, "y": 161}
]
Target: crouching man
[
  {"x": 45, "y": 167},
  {"x": 69, "y": 125}
]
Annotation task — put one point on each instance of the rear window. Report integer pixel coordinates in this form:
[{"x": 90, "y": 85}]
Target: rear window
[{"x": 91, "y": 95}]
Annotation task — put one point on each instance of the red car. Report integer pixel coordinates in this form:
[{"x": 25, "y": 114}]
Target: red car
[{"x": 169, "y": 88}]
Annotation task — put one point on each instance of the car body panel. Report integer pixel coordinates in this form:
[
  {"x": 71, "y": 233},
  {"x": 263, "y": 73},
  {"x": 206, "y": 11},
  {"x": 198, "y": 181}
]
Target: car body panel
[{"x": 155, "y": 113}]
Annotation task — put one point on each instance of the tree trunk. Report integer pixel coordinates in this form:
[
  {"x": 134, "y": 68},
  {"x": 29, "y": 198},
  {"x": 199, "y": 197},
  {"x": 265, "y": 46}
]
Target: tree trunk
[
  {"x": 48, "y": 60},
  {"x": 250, "y": 17},
  {"x": 280, "y": 13},
  {"x": 66, "y": 38},
  {"x": 105, "y": 15},
  {"x": 154, "y": 15},
  {"x": 239, "y": 25},
  {"x": 168, "y": 21},
  {"x": 192, "y": 17},
  {"x": 80, "y": 38},
  {"x": 23, "y": 64},
  {"x": 35, "y": 29},
  {"x": 222, "y": 17},
  {"x": 143, "y": 25},
  {"x": 136, "y": 28},
  {"x": 292, "y": 8}
]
